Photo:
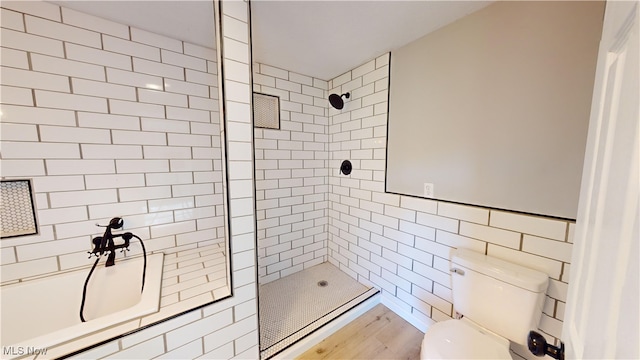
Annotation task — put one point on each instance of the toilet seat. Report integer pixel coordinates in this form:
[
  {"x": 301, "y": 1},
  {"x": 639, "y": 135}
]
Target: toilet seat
[{"x": 462, "y": 339}]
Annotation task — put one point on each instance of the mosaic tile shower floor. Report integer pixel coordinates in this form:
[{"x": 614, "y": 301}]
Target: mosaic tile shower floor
[{"x": 296, "y": 305}]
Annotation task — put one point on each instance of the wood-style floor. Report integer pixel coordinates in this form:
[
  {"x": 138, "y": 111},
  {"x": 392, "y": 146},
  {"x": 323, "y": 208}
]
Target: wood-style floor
[{"x": 377, "y": 334}]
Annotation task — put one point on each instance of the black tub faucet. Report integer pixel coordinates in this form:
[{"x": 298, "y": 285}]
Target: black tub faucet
[{"x": 105, "y": 244}]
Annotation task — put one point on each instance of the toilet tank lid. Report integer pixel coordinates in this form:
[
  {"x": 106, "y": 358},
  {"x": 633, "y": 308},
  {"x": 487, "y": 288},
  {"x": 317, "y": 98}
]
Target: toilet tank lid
[{"x": 518, "y": 275}]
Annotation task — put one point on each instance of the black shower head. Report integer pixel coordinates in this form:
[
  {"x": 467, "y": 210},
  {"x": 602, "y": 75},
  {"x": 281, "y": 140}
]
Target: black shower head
[{"x": 336, "y": 100}]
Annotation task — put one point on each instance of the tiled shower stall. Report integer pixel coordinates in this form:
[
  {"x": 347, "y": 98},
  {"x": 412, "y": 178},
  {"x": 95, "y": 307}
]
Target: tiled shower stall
[
  {"x": 307, "y": 212},
  {"x": 398, "y": 244}
]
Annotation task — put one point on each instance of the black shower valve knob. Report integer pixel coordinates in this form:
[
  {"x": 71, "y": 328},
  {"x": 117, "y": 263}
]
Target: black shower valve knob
[{"x": 346, "y": 167}]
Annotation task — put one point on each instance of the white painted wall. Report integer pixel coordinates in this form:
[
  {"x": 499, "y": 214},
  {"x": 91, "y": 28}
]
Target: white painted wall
[{"x": 493, "y": 109}]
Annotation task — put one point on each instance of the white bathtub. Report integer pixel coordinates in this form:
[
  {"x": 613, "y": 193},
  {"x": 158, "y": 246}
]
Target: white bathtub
[{"x": 45, "y": 312}]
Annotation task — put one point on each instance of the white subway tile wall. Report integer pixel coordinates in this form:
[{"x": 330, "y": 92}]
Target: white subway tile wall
[
  {"x": 115, "y": 121},
  {"x": 291, "y": 175},
  {"x": 110, "y": 164},
  {"x": 401, "y": 244}
]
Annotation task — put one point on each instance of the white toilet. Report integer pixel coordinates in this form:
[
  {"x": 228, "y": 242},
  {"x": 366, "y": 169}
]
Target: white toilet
[{"x": 499, "y": 301}]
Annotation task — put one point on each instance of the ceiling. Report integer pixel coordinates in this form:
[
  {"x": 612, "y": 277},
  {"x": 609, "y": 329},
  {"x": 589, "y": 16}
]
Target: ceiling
[
  {"x": 323, "y": 39},
  {"x": 190, "y": 21}
]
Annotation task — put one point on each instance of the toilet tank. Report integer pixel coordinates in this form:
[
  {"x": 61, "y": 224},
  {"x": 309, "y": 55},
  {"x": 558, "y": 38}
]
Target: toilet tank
[{"x": 498, "y": 295}]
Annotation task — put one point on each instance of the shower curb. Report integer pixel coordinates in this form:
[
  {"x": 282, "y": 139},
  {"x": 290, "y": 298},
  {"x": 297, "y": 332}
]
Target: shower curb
[{"x": 325, "y": 330}]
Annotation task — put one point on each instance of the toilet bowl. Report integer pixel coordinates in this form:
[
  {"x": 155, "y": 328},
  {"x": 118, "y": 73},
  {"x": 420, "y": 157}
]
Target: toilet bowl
[
  {"x": 500, "y": 302},
  {"x": 462, "y": 339}
]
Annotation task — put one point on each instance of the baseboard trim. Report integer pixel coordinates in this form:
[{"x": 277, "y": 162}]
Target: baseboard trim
[{"x": 416, "y": 322}]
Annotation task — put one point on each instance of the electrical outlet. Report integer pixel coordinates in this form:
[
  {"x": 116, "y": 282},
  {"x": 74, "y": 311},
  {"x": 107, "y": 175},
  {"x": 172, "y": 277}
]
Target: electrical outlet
[{"x": 428, "y": 190}]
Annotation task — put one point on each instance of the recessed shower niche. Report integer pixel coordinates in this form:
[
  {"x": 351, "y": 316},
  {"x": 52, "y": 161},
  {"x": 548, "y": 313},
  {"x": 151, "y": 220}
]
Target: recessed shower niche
[
  {"x": 124, "y": 122},
  {"x": 17, "y": 213}
]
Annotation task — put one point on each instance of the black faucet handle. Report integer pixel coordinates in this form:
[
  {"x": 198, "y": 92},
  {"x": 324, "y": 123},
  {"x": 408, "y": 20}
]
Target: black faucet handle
[
  {"x": 97, "y": 242},
  {"x": 116, "y": 223}
]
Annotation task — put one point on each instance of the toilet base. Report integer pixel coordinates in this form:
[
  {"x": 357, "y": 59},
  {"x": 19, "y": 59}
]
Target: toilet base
[{"x": 462, "y": 339}]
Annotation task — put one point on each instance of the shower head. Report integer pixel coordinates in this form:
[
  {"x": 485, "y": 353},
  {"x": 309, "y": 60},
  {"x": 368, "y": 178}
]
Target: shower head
[{"x": 336, "y": 100}]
